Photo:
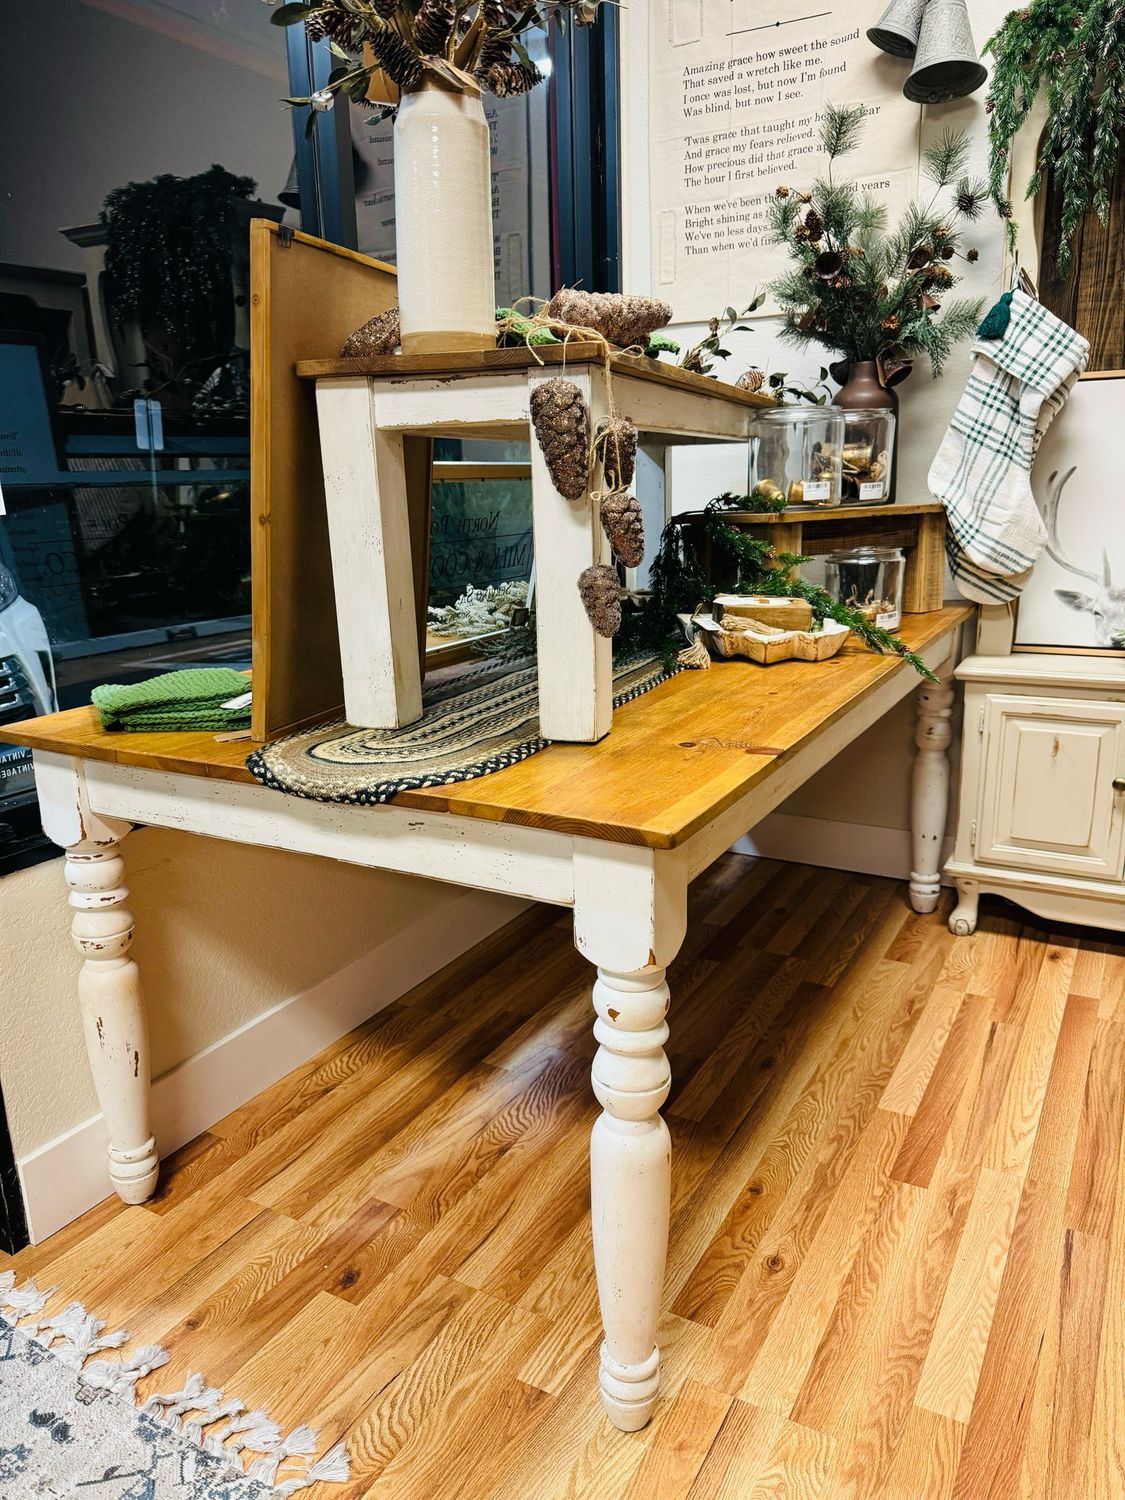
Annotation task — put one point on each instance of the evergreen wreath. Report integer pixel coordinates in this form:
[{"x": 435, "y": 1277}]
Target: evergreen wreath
[
  {"x": 1074, "y": 51},
  {"x": 864, "y": 290},
  {"x": 168, "y": 261}
]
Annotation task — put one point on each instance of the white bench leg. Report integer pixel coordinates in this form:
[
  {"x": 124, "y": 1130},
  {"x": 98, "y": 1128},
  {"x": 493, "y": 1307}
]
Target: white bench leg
[
  {"x": 113, "y": 1015},
  {"x": 575, "y": 663},
  {"x": 930, "y": 792},
  {"x": 365, "y": 491}
]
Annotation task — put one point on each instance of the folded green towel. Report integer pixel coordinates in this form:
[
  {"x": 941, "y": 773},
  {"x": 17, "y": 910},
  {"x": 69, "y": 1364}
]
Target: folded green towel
[{"x": 189, "y": 699}]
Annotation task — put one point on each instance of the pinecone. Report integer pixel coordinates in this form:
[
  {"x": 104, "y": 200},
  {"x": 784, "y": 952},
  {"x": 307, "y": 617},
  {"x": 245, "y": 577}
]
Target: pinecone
[
  {"x": 379, "y": 335},
  {"x": 433, "y": 26},
  {"x": 506, "y": 79},
  {"x": 345, "y": 29},
  {"x": 495, "y": 17},
  {"x": 751, "y": 380},
  {"x": 601, "y": 596},
  {"x": 615, "y": 446},
  {"x": 814, "y": 226},
  {"x": 624, "y": 321},
  {"x": 562, "y": 426},
  {"x": 623, "y": 523},
  {"x": 397, "y": 59},
  {"x": 496, "y": 48},
  {"x": 385, "y": 8}
]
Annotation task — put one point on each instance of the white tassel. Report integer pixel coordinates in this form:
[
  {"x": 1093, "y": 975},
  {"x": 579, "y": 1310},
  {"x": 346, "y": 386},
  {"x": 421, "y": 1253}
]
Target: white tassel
[
  {"x": 121, "y": 1377},
  {"x": 24, "y": 1301},
  {"x": 330, "y": 1468},
  {"x": 255, "y": 1433},
  {"x": 176, "y": 1401},
  {"x": 81, "y": 1334},
  {"x": 300, "y": 1443},
  {"x": 7, "y": 1280},
  {"x": 193, "y": 1430}
]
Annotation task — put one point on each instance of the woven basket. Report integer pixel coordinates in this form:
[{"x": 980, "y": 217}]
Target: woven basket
[{"x": 798, "y": 645}]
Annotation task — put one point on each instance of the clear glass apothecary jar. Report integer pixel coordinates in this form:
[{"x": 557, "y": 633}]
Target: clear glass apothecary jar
[
  {"x": 869, "y": 445},
  {"x": 869, "y": 579},
  {"x": 797, "y": 452}
]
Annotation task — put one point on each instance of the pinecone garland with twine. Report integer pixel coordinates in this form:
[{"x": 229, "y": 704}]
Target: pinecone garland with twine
[
  {"x": 433, "y": 26},
  {"x": 615, "y": 447},
  {"x": 601, "y": 596},
  {"x": 379, "y": 335},
  {"x": 624, "y": 321},
  {"x": 623, "y": 523},
  {"x": 562, "y": 426}
]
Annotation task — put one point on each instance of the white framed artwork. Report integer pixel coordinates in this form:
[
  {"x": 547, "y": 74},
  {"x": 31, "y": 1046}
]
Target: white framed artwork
[{"x": 1075, "y": 598}]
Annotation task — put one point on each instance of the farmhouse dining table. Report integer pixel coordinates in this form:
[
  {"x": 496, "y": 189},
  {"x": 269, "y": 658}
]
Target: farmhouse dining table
[{"x": 614, "y": 830}]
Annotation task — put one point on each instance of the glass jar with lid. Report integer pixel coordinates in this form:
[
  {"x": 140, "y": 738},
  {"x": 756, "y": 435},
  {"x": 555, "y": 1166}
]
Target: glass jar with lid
[
  {"x": 797, "y": 452},
  {"x": 869, "y": 579},
  {"x": 869, "y": 445}
]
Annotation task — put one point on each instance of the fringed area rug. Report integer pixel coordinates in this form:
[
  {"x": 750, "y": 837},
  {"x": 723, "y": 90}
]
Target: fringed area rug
[
  {"x": 70, "y": 1425},
  {"x": 475, "y": 722}
]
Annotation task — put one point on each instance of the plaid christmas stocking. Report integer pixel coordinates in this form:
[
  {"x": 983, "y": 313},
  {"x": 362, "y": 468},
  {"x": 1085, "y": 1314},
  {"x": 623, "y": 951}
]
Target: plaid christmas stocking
[{"x": 982, "y": 471}]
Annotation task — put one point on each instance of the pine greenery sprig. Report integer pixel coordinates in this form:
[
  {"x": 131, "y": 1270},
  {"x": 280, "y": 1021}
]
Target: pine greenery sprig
[
  {"x": 1073, "y": 52},
  {"x": 865, "y": 290}
]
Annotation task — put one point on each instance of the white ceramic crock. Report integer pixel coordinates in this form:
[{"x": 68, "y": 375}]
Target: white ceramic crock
[{"x": 443, "y": 222}]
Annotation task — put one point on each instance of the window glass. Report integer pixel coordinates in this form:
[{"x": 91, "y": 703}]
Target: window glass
[{"x": 124, "y": 348}]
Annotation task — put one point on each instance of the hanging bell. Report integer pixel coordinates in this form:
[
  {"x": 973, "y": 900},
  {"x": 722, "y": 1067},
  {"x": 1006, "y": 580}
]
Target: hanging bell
[
  {"x": 946, "y": 64},
  {"x": 897, "y": 30}
]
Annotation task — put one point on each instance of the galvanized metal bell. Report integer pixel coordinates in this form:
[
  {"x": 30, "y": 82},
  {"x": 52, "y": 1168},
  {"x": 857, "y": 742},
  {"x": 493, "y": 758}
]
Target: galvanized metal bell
[
  {"x": 946, "y": 64},
  {"x": 897, "y": 29}
]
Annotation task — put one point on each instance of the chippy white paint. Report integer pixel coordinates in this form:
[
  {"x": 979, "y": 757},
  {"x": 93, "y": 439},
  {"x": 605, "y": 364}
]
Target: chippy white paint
[
  {"x": 930, "y": 792},
  {"x": 630, "y": 907}
]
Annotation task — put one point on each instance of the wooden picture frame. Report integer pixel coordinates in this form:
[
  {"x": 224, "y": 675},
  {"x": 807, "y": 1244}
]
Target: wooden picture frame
[
  {"x": 1068, "y": 606},
  {"x": 306, "y": 296}
]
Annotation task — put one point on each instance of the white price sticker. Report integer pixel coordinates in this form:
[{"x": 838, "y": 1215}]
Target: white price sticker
[
  {"x": 817, "y": 489},
  {"x": 871, "y": 489},
  {"x": 888, "y": 621}
]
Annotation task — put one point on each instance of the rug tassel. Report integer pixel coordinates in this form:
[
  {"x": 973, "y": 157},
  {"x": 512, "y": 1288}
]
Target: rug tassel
[{"x": 73, "y": 1335}]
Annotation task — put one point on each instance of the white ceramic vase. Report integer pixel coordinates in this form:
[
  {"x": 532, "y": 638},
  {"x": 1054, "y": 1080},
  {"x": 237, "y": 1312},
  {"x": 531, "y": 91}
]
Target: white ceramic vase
[{"x": 443, "y": 222}]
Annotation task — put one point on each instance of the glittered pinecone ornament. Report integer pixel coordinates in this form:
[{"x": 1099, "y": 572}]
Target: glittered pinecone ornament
[
  {"x": 562, "y": 426},
  {"x": 615, "y": 446},
  {"x": 379, "y": 335},
  {"x": 433, "y": 26},
  {"x": 622, "y": 320},
  {"x": 601, "y": 595},
  {"x": 623, "y": 523},
  {"x": 751, "y": 380}
]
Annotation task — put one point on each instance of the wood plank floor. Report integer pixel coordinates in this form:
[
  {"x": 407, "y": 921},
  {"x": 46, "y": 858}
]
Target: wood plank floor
[{"x": 897, "y": 1263}]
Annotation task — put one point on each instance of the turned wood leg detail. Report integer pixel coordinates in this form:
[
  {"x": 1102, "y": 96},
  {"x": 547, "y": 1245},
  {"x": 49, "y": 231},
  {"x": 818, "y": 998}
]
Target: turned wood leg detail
[
  {"x": 963, "y": 917},
  {"x": 630, "y": 1186},
  {"x": 930, "y": 792},
  {"x": 113, "y": 1016}
]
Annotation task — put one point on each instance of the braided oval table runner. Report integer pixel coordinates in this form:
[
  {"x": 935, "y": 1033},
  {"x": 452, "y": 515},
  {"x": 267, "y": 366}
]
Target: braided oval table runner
[{"x": 474, "y": 722}]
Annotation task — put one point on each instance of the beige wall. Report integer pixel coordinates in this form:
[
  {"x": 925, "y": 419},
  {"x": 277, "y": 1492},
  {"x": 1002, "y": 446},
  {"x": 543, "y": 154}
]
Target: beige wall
[{"x": 224, "y": 932}]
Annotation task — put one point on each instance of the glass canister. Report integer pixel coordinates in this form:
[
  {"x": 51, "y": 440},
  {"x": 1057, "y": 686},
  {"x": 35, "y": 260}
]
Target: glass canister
[
  {"x": 869, "y": 579},
  {"x": 797, "y": 451},
  {"x": 869, "y": 445}
]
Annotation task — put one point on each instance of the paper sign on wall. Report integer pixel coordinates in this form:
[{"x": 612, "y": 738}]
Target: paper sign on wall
[{"x": 735, "y": 93}]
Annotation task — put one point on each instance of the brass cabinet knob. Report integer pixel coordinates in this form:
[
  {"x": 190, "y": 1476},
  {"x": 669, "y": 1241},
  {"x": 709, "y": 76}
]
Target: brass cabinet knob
[{"x": 1119, "y": 783}]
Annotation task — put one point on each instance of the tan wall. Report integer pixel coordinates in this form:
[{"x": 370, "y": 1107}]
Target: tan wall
[{"x": 224, "y": 932}]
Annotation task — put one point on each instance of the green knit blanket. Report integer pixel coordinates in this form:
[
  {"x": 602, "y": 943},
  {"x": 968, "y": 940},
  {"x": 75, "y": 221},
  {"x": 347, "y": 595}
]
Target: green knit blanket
[{"x": 189, "y": 699}]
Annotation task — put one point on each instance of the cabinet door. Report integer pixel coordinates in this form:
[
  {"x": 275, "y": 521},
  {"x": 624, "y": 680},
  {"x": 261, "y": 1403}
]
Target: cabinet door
[{"x": 1047, "y": 799}]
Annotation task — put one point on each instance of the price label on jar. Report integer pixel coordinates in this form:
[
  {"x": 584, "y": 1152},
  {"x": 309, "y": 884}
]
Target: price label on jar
[
  {"x": 817, "y": 489},
  {"x": 871, "y": 489},
  {"x": 888, "y": 620}
]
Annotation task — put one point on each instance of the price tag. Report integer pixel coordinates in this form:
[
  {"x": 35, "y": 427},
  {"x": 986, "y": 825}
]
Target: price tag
[
  {"x": 889, "y": 620},
  {"x": 872, "y": 489},
  {"x": 817, "y": 489}
]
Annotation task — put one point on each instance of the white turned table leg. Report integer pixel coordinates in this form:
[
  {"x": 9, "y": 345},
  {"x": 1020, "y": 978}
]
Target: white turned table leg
[
  {"x": 630, "y": 1186},
  {"x": 113, "y": 1016},
  {"x": 930, "y": 792}
]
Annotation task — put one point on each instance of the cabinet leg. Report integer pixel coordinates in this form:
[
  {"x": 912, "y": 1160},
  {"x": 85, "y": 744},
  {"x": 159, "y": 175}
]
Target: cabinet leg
[
  {"x": 113, "y": 1017},
  {"x": 630, "y": 1186},
  {"x": 963, "y": 917},
  {"x": 930, "y": 792}
]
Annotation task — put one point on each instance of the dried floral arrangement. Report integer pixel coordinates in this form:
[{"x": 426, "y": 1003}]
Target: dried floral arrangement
[
  {"x": 679, "y": 583},
  {"x": 1072, "y": 51},
  {"x": 862, "y": 289},
  {"x": 385, "y": 48}
]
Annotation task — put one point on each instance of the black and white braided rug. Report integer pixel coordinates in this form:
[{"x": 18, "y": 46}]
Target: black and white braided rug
[{"x": 477, "y": 720}]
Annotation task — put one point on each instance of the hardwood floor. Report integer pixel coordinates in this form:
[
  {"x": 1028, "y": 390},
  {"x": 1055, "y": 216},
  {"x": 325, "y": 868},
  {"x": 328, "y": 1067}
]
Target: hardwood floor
[{"x": 897, "y": 1264}]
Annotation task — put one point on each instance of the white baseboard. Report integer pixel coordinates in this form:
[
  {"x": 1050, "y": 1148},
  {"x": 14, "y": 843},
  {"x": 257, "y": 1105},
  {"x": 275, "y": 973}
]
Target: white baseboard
[
  {"x": 834, "y": 846},
  {"x": 67, "y": 1175}
]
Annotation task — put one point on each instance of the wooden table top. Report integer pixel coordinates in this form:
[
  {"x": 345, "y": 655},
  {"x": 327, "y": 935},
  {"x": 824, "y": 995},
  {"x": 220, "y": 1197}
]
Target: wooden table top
[
  {"x": 487, "y": 361},
  {"x": 675, "y": 759}
]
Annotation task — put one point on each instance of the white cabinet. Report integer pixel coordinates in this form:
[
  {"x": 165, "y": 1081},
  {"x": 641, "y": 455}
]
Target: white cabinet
[{"x": 1042, "y": 811}]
